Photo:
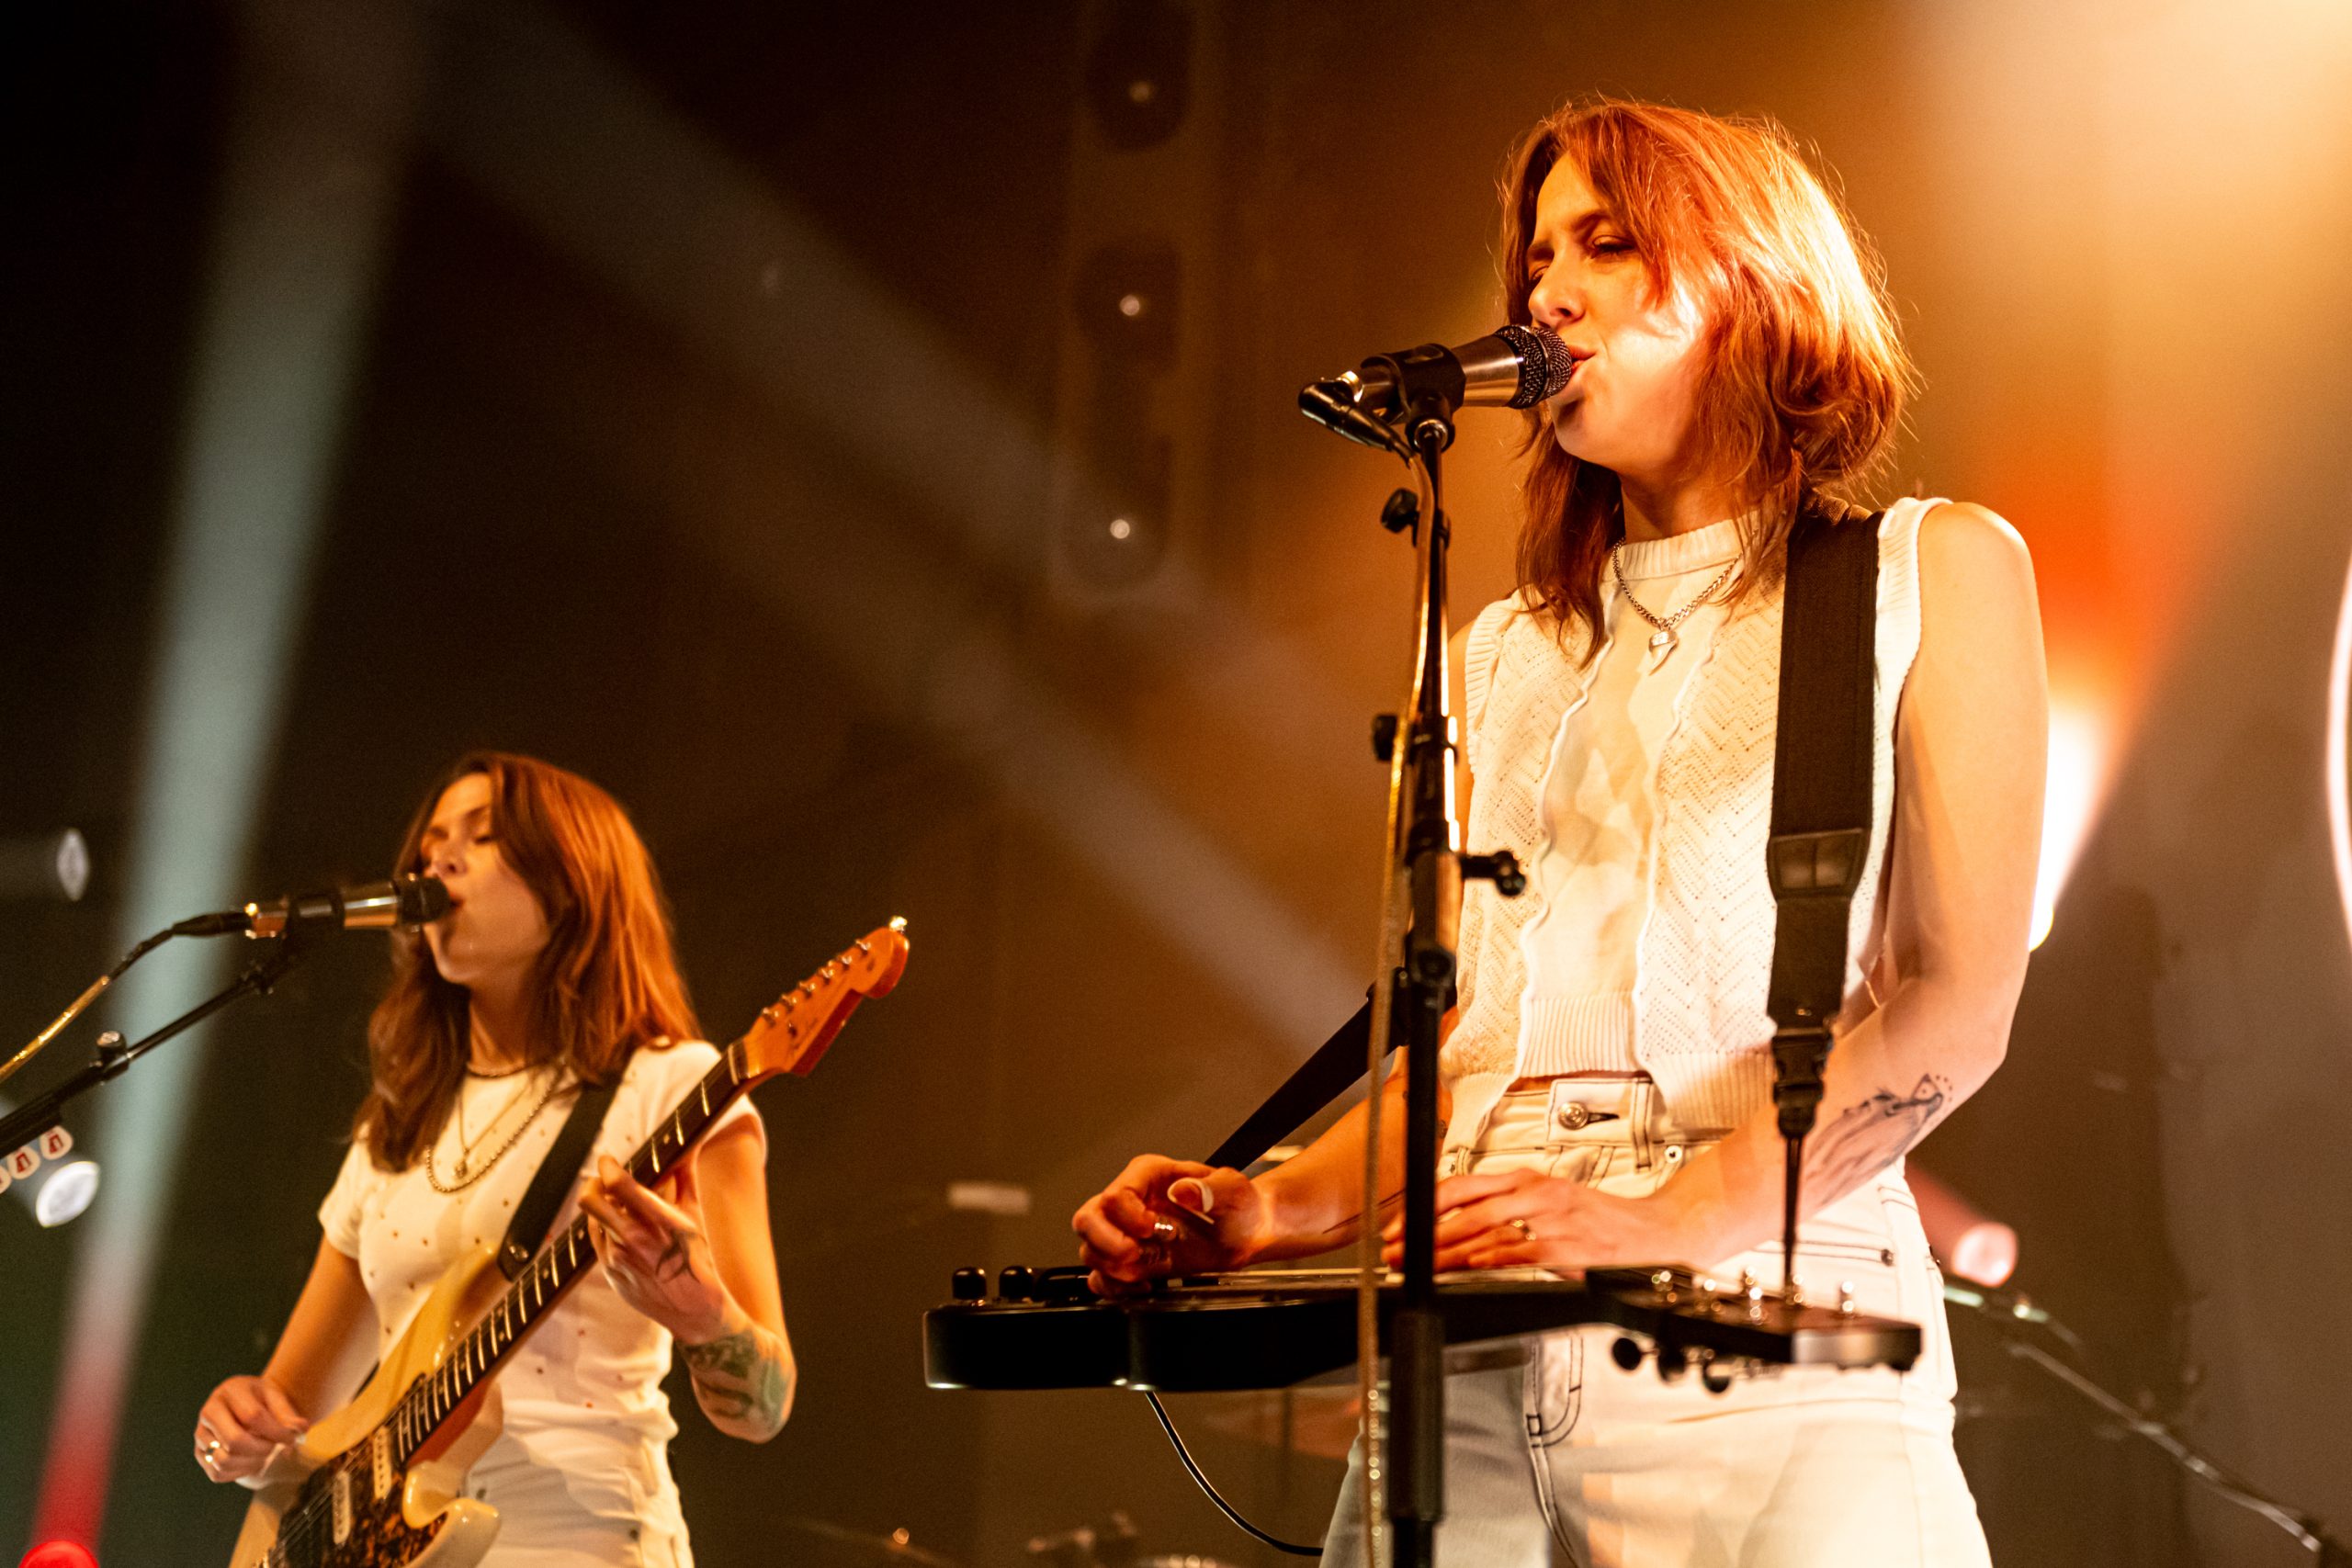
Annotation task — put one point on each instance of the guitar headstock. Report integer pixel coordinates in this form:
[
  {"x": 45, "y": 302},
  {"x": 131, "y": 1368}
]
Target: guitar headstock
[
  {"x": 791, "y": 1034},
  {"x": 1692, "y": 1320}
]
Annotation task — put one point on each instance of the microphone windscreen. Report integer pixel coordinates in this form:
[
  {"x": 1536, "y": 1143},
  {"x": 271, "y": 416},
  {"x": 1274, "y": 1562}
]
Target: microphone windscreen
[
  {"x": 422, "y": 900},
  {"x": 1545, "y": 364}
]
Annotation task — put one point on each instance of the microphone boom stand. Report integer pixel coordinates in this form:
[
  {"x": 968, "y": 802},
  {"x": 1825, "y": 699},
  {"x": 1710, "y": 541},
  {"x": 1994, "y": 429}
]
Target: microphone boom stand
[{"x": 112, "y": 1057}]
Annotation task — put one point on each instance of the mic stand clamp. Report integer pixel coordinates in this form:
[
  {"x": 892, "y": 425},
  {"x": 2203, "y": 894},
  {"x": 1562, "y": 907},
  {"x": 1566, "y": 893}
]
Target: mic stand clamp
[{"x": 112, "y": 1058}]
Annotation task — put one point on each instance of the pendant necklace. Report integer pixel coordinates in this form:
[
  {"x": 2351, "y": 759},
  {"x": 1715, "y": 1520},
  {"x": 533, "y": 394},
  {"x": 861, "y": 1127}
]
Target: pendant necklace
[
  {"x": 468, "y": 1172},
  {"x": 1664, "y": 641}
]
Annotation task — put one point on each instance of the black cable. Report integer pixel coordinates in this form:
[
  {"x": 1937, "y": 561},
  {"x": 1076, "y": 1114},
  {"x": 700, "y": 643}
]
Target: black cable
[
  {"x": 2308, "y": 1530},
  {"x": 1223, "y": 1507}
]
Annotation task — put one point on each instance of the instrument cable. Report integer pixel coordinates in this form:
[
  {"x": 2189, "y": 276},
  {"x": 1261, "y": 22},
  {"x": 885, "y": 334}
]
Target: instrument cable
[{"x": 1202, "y": 1480}]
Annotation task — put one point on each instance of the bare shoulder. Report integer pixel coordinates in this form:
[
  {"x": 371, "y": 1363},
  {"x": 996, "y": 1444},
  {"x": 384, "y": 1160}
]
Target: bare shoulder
[{"x": 1970, "y": 555}]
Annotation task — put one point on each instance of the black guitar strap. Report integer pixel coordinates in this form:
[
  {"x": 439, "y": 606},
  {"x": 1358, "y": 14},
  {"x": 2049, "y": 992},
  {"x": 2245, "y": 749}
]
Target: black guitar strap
[
  {"x": 1822, "y": 771},
  {"x": 1337, "y": 1063},
  {"x": 548, "y": 1189}
]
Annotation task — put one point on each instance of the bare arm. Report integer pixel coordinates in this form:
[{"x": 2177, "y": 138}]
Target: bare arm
[
  {"x": 702, "y": 1264},
  {"x": 1971, "y": 747},
  {"x": 745, "y": 1377},
  {"x": 1969, "y": 765},
  {"x": 328, "y": 1343}
]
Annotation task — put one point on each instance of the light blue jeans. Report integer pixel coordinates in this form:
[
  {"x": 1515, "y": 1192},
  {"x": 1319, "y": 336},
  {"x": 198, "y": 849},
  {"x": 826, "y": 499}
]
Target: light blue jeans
[{"x": 1568, "y": 1459}]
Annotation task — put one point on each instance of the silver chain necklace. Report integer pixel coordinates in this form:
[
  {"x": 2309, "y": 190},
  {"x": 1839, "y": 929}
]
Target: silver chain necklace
[{"x": 1664, "y": 641}]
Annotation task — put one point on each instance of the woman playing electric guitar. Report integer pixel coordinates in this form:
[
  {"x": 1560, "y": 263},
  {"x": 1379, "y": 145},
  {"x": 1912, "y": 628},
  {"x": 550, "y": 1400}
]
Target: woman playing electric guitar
[{"x": 551, "y": 969}]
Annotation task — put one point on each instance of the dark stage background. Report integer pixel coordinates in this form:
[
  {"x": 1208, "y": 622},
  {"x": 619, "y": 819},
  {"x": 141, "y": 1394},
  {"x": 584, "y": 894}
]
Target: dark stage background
[{"x": 728, "y": 401}]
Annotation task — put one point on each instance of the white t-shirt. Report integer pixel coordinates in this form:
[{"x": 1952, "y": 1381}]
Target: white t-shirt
[
  {"x": 1599, "y": 807},
  {"x": 583, "y": 1392}
]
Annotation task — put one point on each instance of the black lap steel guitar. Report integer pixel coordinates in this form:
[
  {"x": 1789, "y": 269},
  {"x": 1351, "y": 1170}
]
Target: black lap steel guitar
[{"x": 1044, "y": 1328}]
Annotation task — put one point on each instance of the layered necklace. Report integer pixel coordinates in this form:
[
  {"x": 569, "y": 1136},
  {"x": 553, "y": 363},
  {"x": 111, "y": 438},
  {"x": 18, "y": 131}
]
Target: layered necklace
[{"x": 470, "y": 1167}]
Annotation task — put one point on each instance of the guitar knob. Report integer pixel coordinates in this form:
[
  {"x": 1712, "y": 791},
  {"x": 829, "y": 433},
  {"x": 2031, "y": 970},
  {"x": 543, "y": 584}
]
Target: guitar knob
[
  {"x": 1017, "y": 1283},
  {"x": 968, "y": 1285}
]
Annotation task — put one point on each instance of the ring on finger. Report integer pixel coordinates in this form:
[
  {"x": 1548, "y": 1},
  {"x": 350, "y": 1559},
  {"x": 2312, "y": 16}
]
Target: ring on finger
[{"x": 1520, "y": 1226}]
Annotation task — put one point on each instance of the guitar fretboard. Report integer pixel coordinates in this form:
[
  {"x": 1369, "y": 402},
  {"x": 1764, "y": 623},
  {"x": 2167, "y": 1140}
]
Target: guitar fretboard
[{"x": 558, "y": 1266}]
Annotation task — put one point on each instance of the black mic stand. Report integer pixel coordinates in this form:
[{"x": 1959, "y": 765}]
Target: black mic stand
[
  {"x": 1428, "y": 854},
  {"x": 112, "y": 1057}
]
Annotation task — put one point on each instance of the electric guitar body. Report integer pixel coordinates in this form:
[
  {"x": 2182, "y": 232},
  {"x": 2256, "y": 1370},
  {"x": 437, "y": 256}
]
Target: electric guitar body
[
  {"x": 380, "y": 1482},
  {"x": 412, "y": 1516}
]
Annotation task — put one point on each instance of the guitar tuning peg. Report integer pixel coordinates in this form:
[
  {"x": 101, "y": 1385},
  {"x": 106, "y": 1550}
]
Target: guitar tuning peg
[
  {"x": 863, "y": 947},
  {"x": 1673, "y": 1361},
  {"x": 1712, "y": 1377},
  {"x": 1627, "y": 1352}
]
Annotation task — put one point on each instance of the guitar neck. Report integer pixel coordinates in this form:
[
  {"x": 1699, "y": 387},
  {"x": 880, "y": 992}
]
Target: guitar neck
[{"x": 558, "y": 1266}]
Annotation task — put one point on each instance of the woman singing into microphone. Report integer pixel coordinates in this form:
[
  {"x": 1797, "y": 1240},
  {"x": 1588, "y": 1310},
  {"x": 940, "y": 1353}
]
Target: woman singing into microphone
[
  {"x": 552, "y": 969},
  {"x": 1607, "y": 1072}
]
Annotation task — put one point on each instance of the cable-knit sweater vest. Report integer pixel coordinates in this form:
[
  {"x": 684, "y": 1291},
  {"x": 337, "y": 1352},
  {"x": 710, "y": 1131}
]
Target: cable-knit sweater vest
[{"x": 1704, "y": 952}]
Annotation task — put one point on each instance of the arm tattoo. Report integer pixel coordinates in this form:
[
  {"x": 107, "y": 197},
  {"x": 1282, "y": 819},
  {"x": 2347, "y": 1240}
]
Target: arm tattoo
[
  {"x": 740, "y": 1381},
  {"x": 1872, "y": 1134}
]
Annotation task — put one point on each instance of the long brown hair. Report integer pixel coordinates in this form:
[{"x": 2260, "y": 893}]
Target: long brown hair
[
  {"x": 606, "y": 984},
  {"x": 1806, "y": 375}
]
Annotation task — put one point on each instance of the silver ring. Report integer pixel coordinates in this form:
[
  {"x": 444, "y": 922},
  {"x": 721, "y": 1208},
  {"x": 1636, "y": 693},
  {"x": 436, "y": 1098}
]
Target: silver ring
[
  {"x": 1164, "y": 1231},
  {"x": 1520, "y": 1226}
]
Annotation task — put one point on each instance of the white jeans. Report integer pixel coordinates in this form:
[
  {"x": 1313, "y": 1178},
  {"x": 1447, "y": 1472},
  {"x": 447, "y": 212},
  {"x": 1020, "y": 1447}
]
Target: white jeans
[{"x": 1569, "y": 1460}]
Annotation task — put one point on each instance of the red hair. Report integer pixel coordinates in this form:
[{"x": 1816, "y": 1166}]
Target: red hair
[
  {"x": 606, "y": 984},
  {"x": 1806, "y": 377}
]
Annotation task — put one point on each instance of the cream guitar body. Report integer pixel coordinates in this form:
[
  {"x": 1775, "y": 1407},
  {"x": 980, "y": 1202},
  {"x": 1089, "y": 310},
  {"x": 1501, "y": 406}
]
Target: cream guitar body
[
  {"x": 375, "y": 1512},
  {"x": 379, "y": 1483}
]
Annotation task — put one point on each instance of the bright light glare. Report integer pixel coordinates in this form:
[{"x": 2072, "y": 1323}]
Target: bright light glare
[
  {"x": 2339, "y": 810},
  {"x": 66, "y": 1193},
  {"x": 2077, "y": 773}
]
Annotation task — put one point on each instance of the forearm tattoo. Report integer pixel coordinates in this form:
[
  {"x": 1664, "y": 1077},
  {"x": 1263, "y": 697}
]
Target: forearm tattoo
[
  {"x": 741, "y": 1379},
  {"x": 1872, "y": 1134}
]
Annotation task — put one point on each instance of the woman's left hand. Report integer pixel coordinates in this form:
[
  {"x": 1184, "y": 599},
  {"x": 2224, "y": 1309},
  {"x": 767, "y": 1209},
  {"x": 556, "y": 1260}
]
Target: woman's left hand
[
  {"x": 1520, "y": 1218},
  {"x": 654, "y": 1250}
]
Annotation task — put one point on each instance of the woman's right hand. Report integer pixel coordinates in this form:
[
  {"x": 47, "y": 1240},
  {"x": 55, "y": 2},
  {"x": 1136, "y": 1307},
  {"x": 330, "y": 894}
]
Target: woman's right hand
[
  {"x": 241, "y": 1424},
  {"x": 1167, "y": 1216}
]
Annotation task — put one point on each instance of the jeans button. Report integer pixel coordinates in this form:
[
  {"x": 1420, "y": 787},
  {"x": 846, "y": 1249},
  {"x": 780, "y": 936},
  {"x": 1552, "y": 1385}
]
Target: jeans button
[{"x": 1573, "y": 1116}]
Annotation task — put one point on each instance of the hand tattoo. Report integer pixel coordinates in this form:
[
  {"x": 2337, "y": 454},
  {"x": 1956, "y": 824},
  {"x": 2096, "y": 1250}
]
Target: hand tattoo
[
  {"x": 740, "y": 1381},
  {"x": 674, "y": 1259}
]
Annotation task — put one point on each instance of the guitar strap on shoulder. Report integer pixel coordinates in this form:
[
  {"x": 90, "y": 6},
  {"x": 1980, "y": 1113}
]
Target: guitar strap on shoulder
[
  {"x": 548, "y": 1189},
  {"x": 1822, "y": 771}
]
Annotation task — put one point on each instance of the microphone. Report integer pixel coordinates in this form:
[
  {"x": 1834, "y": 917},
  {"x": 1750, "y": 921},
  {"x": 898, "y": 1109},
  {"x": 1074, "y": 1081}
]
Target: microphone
[
  {"x": 1514, "y": 367},
  {"x": 372, "y": 906}
]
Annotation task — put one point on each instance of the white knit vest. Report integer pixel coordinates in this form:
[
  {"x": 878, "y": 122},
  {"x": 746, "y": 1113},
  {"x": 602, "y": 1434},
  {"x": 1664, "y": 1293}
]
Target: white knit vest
[{"x": 1705, "y": 949}]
